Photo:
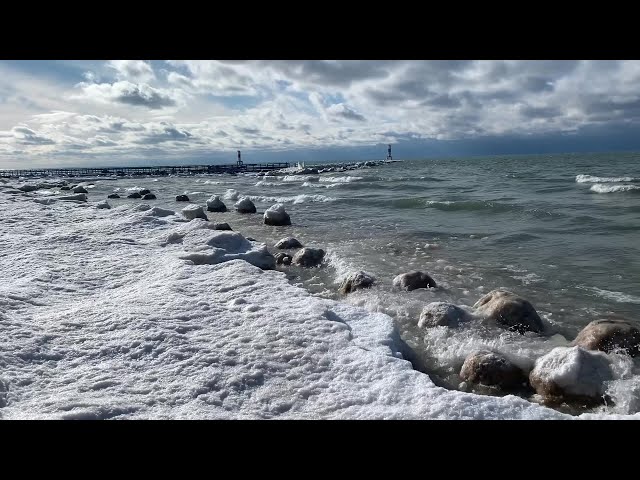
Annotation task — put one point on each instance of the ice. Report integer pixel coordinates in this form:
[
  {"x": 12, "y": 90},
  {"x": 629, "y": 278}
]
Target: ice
[
  {"x": 193, "y": 211},
  {"x": 101, "y": 319}
]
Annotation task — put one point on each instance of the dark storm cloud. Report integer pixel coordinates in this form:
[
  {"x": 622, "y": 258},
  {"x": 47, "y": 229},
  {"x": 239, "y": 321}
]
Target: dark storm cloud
[
  {"x": 166, "y": 134},
  {"x": 146, "y": 97}
]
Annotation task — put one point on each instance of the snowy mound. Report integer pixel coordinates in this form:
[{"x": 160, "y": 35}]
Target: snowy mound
[
  {"x": 160, "y": 212},
  {"x": 211, "y": 247},
  {"x": 193, "y": 211},
  {"x": 103, "y": 205}
]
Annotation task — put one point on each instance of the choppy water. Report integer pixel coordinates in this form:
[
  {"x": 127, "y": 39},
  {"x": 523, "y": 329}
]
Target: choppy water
[{"x": 561, "y": 230}]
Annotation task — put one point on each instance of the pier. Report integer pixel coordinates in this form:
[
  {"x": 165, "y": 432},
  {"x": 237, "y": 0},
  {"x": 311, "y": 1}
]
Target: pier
[{"x": 239, "y": 167}]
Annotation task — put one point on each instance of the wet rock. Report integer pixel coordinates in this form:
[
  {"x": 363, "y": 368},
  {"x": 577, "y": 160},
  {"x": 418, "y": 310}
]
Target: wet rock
[
  {"x": 287, "y": 243},
  {"x": 223, "y": 226},
  {"x": 443, "y": 314},
  {"x": 80, "y": 190},
  {"x": 192, "y": 211},
  {"x": 493, "y": 369},
  {"x": 509, "y": 310},
  {"x": 182, "y": 198},
  {"x": 244, "y": 205},
  {"x": 214, "y": 204},
  {"x": 113, "y": 195},
  {"x": 571, "y": 373},
  {"x": 144, "y": 192},
  {"x": 308, "y": 257},
  {"x": 65, "y": 188},
  {"x": 134, "y": 195},
  {"x": 412, "y": 280},
  {"x": 251, "y": 239},
  {"x": 609, "y": 335},
  {"x": 28, "y": 188},
  {"x": 356, "y": 281},
  {"x": 283, "y": 258},
  {"x": 276, "y": 215},
  {"x": 149, "y": 196}
]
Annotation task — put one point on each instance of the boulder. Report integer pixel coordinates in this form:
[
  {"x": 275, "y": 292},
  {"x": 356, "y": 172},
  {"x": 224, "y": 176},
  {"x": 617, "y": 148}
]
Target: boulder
[
  {"x": 509, "y": 310},
  {"x": 245, "y": 205},
  {"x": 412, "y": 280},
  {"x": 79, "y": 197},
  {"x": 182, "y": 198},
  {"x": 356, "y": 281},
  {"x": 283, "y": 258},
  {"x": 144, "y": 192},
  {"x": 194, "y": 211},
  {"x": 113, "y": 195},
  {"x": 80, "y": 189},
  {"x": 609, "y": 335},
  {"x": 288, "y": 242},
  {"x": 276, "y": 215},
  {"x": 443, "y": 314},
  {"x": 222, "y": 226},
  {"x": 308, "y": 257},
  {"x": 28, "y": 188},
  {"x": 103, "y": 205},
  {"x": 571, "y": 373},
  {"x": 134, "y": 195},
  {"x": 149, "y": 196},
  {"x": 214, "y": 204},
  {"x": 492, "y": 369}
]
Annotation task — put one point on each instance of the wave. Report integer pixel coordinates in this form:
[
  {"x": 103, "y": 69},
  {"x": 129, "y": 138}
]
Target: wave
[
  {"x": 604, "y": 188},
  {"x": 593, "y": 179},
  {"x": 616, "y": 296},
  {"x": 303, "y": 198},
  {"x": 265, "y": 183},
  {"x": 300, "y": 178},
  {"x": 346, "y": 179}
]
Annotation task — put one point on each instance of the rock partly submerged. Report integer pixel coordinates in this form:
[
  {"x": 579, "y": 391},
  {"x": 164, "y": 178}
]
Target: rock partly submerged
[
  {"x": 414, "y": 280},
  {"x": 438, "y": 314},
  {"x": 214, "y": 204},
  {"x": 308, "y": 257},
  {"x": 276, "y": 215},
  {"x": 610, "y": 335},
  {"x": 493, "y": 369},
  {"x": 356, "y": 281},
  {"x": 288, "y": 243},
  {"x": 509, "y": 310}
]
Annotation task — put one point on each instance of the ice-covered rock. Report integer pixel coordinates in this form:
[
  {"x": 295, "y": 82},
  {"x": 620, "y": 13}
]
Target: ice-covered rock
[
  {"x": 509, "y": 310},
  {"x": 571, "y": 373},
  {"x": 287, "y": 243},
  {"x": 80, "y": 189},
  {"x": 356, "y": 281},
  {"x": 214, "y": 204},
  {"x": 134, "y": 195},
  {"x": 149, "y": 196},
  {"x": 113, "y": 195},
  {"x": 103, "y": 205},
  {"x": 283, "y": 258},
  {"x": 182, "y": 198},
  {"x": 413, "y": 280},
  {"x": 222, "y": 226},
  {"x": 79, "y": 197},
  {"x": 493, "y": 369},
  {"x": 144, "y": 192},
  {"x": 443, "y": 314},
  {"x": 308, "y": 257},
  {"x": 276, "y": 215},
  {"x": 28, "y": 188},
  {"x": 608, "y": 335},
  {"x": 204, "y": 246},
  {"x": 160, "y": 212},
  {"x": 245, "y": 205},
  {"x": 194, "y": 211}
]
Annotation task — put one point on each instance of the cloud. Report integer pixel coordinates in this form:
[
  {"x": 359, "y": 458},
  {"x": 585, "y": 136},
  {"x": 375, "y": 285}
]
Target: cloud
[
  {"x": 341, "y": 110},
  {"x": 162, "y": 132},
  {"x": 26, "y": 136},
  {"x": 125, "y": 92},
  {"x": 137, "y": 70}
]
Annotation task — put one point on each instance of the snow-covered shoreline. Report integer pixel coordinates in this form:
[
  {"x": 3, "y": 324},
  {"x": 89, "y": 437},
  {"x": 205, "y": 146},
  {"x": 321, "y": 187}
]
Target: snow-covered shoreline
[{"x": 102, "y": 319}]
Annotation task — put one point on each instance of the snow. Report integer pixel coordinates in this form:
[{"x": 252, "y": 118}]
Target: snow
[
  {"x": 102, "y": 319},
  {"x": 193, "y": 211}
]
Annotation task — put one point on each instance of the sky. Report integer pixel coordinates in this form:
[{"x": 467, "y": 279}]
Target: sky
[{"x": 136, "y": 112}]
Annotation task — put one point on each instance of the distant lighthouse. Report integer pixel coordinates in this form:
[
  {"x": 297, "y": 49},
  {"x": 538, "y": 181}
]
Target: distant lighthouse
[
  {"x": 239, "y": 159},
  {"x": 389, "y": 157}
]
